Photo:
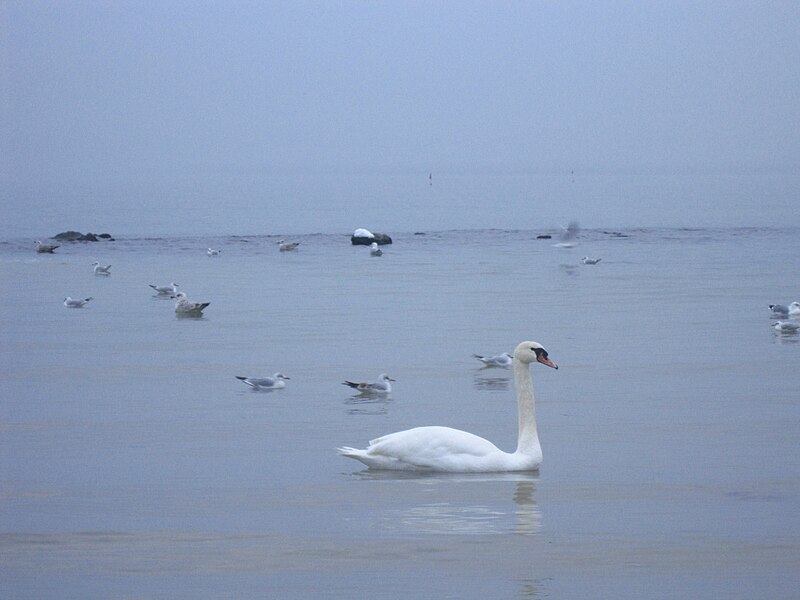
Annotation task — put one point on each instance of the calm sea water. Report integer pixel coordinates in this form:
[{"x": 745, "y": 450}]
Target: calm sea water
[{"x": 134, "y": 464}]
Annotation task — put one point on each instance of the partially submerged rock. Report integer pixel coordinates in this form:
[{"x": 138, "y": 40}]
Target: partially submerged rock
[
  {"x": 77, "y": 236},
  {"x": 364, "y": 237}
]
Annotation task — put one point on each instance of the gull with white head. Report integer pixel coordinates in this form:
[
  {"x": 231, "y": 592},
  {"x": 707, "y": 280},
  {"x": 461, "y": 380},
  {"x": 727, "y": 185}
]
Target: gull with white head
[
  {"x": 374, "y": 250},
  {"x": 501, "y": 360},
  {"x": 184, "y": 306},
  {"x": 285, "y": 246},
  {"x": 43, "y": 248},
  {"x": 276, "y": 382},
  {"x": 76, "y": 302},
  {"x": 165, "y": 290},
  {"x": 101, "y": 269},
  {"x": 382, "y": 386}
]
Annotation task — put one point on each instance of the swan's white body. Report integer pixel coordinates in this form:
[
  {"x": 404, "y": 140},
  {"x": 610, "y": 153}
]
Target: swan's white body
[{"x": 454, "y": 451}]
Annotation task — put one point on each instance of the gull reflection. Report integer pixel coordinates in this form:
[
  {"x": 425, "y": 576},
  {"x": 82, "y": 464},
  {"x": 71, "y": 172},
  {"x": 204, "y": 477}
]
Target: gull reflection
[
  {"x": 482, "y": 382},
  {"x": 367, "y": 405}
]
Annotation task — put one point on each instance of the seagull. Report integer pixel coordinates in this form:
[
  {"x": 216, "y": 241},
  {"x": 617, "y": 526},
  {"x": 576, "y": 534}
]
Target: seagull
[
  {"x": 76, "y": 302},
  {"x": 43, "y": 248},
  {"x": 284, "y": 245},
  {"x": 185, "y": 307},
  {"x": 212, "y": 252},
  {"x": 101, "y": 269},
  {"x": 786, "y": 327},
  {"x": 501, "y": 360},
  {"x": 382, "y": 386},
  {"x": 275, "y": 382},
  {"x": 569, "y": 239},
  {"x": 590, "y": 261},
  {"x": 782, "y": 310},
  {"x": 171, "y": 289},
  {"x": 374, "y": 250}
]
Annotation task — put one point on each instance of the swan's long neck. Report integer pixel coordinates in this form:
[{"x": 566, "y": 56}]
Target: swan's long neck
[{"x": 528, "y": 440}]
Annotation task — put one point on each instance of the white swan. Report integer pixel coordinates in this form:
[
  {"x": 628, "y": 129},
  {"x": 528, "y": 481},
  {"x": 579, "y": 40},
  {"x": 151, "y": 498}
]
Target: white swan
[{"x": 451, "y": 450}]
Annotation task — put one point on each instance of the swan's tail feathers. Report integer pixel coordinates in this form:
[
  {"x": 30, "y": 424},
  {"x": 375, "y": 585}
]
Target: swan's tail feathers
[
  {"x": 348, "y": 451},
  {"x": 351, "y": 384}
]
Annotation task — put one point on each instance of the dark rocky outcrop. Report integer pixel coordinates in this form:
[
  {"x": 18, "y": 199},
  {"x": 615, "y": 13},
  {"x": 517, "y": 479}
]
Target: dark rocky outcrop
[
  {"x": 380, "y": 238},
  {"x": 77, "y": 236}
]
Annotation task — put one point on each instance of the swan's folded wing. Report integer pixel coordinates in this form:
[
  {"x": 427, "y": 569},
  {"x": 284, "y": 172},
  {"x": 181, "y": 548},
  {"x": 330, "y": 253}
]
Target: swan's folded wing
[{"x": 440, "y": 448}]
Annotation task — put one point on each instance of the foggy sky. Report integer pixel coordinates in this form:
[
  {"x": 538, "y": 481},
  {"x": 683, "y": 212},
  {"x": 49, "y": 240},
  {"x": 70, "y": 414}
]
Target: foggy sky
[{"x": 100, "y": 91}]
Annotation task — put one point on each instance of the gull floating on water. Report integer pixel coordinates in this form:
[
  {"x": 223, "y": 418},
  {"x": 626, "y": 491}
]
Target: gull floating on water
[
  {"x": 76, "y": 302},
  {"x": 590, "y": 261},
  {"x": 212, "y": 252},
  {"x": 569, "y": 239},
  {"x": 171, "y": 289},
  {"x": 382, "y": 386},
  {"x": 43, "y": 248},
  {"x": 284, "y": 245},
  {"x": 783, "y": 310},
  {"x": 185, "y": 306},
  {"x": 786, "y": 327},
  {"x": 101, "y": 269},
  {"x": 374, "y": 250},
  {"x": 275, "y": 382},
  {"x": 501, "y": 360}
]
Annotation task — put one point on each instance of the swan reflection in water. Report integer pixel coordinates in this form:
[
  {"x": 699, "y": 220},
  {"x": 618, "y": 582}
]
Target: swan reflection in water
[{"x": 508, "y": 508}]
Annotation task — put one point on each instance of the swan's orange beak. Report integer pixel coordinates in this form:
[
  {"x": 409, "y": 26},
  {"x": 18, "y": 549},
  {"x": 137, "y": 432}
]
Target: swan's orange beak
[{"x": 546, "y": 361}]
